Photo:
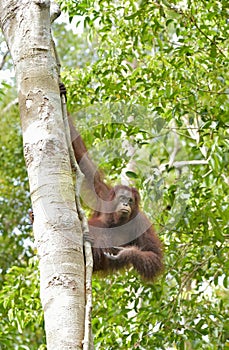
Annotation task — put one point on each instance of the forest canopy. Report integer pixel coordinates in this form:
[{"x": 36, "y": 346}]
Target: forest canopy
[{"x": 147, "y": 87}]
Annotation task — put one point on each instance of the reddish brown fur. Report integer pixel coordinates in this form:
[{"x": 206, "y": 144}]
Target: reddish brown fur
[
  {"x": 141, "y": 248},
  {"x": 95, "y": 183},
  {"x": 144, "y": 251}
]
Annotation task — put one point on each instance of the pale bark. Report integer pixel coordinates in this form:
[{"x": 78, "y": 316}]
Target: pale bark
[{"x": 26, "y": 26}]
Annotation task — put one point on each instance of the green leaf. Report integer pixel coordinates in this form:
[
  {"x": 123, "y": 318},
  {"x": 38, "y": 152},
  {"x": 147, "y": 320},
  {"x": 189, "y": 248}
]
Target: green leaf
[{"x": 131, "y": 174}]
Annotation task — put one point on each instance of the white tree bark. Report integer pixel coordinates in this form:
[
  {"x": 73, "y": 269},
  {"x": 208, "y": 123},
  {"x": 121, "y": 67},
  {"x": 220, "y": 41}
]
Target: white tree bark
[{"x": 26, "y": 26}]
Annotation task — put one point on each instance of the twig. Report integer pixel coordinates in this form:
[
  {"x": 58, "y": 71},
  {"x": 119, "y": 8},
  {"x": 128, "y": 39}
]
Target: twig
[
  {"x": 183, "y": 163},
  {"x": 11, "y": 104},
  {"x": 131, "y": 165},
  {"x": 193, "y": 20},
  {"x": 4, "y": 59},
  {"x": 190, "y": 162},
  {"x": 175, "y": 150},
  {"x": 212, "y": 91}
]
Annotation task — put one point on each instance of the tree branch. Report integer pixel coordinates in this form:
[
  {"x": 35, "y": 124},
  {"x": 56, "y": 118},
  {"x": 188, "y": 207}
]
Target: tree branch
[
  {"x": 183, "y": 163},
  {"x": 175, "y": 150}
]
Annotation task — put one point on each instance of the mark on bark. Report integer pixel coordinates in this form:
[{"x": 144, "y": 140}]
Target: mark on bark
[{"x": 62, "y": 280}]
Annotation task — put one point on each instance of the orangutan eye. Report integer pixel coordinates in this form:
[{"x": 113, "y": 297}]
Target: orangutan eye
[{"x": 123, "y": 199}]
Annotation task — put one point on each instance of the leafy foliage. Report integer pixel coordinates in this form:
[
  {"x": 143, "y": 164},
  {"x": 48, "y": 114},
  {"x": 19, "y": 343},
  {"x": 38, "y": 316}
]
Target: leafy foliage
[
  {"x": 160, "y": 82},
  {"x": 148, "y": 83},
  {"x": 14, "y": 199},
  {"x": 21, "y": 315}
]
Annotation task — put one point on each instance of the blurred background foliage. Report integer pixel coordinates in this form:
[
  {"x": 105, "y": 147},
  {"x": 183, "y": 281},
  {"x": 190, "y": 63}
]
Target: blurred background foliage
[{"x": 147, "y": 85}]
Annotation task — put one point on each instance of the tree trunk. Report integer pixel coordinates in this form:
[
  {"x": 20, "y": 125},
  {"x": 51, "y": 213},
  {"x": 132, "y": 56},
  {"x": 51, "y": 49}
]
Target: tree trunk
[{"x": 57, "y": 230}]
